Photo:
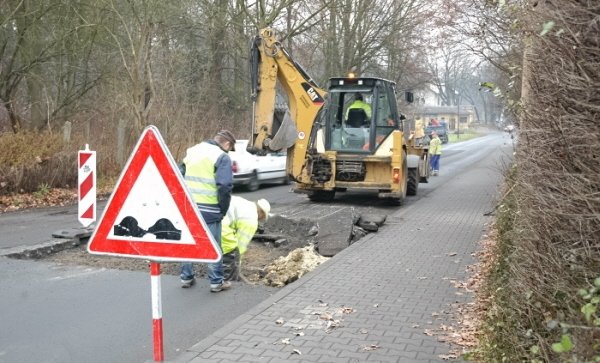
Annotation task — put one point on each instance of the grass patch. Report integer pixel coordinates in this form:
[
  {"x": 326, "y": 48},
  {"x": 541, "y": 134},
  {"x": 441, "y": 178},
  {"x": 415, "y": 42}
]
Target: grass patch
[{"x": 464, "y": 136}]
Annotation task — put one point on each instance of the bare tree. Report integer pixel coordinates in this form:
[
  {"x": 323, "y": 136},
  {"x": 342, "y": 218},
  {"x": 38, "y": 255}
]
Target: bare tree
[{"x": 46, "y": 48}]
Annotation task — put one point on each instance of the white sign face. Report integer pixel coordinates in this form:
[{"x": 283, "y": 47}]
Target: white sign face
[{"x": 149, "y": 200}]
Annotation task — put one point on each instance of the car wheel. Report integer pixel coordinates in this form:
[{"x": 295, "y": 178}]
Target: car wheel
[{"x": 253, "y": 183}]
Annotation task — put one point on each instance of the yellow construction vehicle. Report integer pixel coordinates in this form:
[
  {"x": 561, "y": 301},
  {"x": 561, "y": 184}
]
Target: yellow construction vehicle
[{"x": 331, "y": 145}]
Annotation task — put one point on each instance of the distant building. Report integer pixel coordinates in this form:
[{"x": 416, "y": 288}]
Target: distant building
[
  {"x": 447, "y": 115},
  {"x": 427, "y": 108}
]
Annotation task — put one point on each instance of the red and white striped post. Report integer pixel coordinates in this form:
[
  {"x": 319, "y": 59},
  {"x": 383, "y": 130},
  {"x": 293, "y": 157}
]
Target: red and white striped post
[
  {"x": 157, "y": 328},
  {"x": 87, "y": 186}
]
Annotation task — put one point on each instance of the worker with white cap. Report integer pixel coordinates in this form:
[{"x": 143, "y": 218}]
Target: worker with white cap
[{"x": 237, "y": 229}]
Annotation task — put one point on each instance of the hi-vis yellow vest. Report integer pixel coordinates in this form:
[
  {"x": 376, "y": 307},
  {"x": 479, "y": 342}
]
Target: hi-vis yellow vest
[
  {"x": 435, "y": 146},
  {"x": 239, "y": 225},
  {"x": 200, "y": 163}
]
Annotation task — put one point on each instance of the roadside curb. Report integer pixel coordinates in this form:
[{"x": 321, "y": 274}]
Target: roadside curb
[{"x": 62, "y": 240}]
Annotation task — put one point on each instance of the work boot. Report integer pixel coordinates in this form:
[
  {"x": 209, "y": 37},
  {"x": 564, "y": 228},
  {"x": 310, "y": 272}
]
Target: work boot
[
  {"x": 225, "y": 285},
  {"x": 187, "y": 283}
]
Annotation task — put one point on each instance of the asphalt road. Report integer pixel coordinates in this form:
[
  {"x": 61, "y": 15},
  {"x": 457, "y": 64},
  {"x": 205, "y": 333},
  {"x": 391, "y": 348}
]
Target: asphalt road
[{"x": 52, "y": 313}]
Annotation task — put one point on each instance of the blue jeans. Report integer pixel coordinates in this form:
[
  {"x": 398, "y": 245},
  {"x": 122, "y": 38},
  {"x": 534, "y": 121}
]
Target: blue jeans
[
  {"x": 435, "y": 162},
  {"x": 215, "y": 270}
]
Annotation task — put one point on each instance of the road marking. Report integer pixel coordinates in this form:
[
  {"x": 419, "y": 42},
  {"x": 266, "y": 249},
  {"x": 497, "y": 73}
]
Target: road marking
[
  {"x": 86, "y": 272},
  {"x": 334, "y": 212}
]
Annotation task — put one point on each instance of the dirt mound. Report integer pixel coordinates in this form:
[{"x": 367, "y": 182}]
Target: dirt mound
[
  {"x": 293, "y": 266},
  {"x": 275, "y": 239}
]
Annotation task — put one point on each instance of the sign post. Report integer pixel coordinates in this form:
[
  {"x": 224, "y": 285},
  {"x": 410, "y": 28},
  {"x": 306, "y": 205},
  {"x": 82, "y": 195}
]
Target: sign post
[
  {"x": 157, "y": 328},
  {"x": 86, "y": 192},
  {"x": 151, "y": 215}
]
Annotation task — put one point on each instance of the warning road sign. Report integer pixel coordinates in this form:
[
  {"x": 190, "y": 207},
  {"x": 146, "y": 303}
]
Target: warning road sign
[{"x": 151, "y": 214}]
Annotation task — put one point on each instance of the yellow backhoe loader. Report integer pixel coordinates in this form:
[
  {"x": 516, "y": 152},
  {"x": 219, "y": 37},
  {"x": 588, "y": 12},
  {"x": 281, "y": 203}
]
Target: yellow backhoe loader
[{"x": 335, "y": 141}]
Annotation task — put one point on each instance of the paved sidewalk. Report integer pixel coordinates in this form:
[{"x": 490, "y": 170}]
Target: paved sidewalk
[{"x": 374, "y": 300}]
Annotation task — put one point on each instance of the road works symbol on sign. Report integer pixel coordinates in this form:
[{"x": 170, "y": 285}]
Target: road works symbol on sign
[{"x": 151, "y": 214}]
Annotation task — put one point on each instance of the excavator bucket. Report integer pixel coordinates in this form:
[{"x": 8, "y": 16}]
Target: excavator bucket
[{"x": 286, "y": 135}]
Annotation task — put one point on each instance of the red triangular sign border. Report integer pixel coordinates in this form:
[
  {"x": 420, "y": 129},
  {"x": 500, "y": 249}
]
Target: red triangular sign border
[{"x": 151, "y": 145}]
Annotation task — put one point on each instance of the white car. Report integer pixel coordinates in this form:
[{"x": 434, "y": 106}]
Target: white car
[{"x": 253, "y": 170}]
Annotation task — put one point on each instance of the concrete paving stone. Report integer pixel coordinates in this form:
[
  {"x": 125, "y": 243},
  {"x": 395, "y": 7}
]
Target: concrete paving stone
[
  {"x": 381, "y": 339},
  {"x": 416, "y": 344},
  {"x": 323, "y": 352},
  {"x": 399, "y": 333},
  {"x": 332, "y": 340},
  {"x": 223, "y": 346},
  {"x": 441, "y": 349},
  {"x": 266, "y": 333},
  {"x": 184, "y": 357},
  {"x": 382, "y": 356},
  {"x": 205, "y": 360},
  {"x": 415, "y": 347},
  {"x": 430, "y": 357},
  {"x": 352, "y": 355},
  {"x": 251, "y": 344},
  {"x": 227, "y": 357},
  {"x": 350, "y": 347},
  {"x": 236, "y": 336},
  {"x": 336, "y": 360},
  {"x": 284, "y": 355},
  {"x": 245, "y": 351},
  {"x": 308, "y": 340},
  {"x": 208, "y": 354},
  {"x": 254, "y": 359}
]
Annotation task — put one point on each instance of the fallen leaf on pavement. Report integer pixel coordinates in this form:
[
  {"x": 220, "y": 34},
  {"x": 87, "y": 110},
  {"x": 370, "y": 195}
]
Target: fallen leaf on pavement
[
  {"x": 447, "y": 356},
  {"x": 371, "y": 347},
  {"x": 326, "y": 316}
]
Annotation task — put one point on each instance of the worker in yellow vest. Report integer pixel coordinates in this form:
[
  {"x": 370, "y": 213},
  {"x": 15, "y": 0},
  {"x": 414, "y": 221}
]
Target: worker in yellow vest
[
  {"x": 237, "y": 229},
  {"x": 435, "y": 153},
  {"x": 209, "y": 178}
]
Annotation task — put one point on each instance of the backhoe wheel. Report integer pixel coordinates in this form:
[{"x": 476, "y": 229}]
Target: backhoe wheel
[
  {"x": 425, "y": 166},
  {"x": 253, "y": 184},
  {"x": 413, "y": 181},
  {"x": 322, "y": 195}
]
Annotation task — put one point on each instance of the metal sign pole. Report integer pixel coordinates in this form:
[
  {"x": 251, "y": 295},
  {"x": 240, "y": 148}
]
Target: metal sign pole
[{"x": 157, "y": 328}]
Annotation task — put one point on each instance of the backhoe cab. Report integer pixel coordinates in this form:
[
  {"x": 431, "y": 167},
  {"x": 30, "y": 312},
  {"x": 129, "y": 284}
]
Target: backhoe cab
[{"x": 353, "y": 136}]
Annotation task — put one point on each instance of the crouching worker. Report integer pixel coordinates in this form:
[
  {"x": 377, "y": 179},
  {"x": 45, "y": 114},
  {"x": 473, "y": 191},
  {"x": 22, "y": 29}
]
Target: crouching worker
[{"x": 237, "y": 229}]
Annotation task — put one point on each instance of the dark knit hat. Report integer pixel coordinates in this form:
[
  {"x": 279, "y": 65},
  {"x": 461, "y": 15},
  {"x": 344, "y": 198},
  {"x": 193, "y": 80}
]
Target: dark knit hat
[{"x": 227, "y": 135}]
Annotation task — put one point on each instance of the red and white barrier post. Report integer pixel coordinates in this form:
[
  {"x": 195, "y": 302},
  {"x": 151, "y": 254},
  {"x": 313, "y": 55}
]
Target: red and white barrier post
[
  {"x": 157, "y": 328},
  {"x": 87, "y": 186}
]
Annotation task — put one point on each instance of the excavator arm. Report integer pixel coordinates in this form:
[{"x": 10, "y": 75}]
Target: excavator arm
[{"x": 270, "y": 63}]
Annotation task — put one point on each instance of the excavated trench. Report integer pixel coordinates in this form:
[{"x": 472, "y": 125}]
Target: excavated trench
[{"x": 282, "y": 251}]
